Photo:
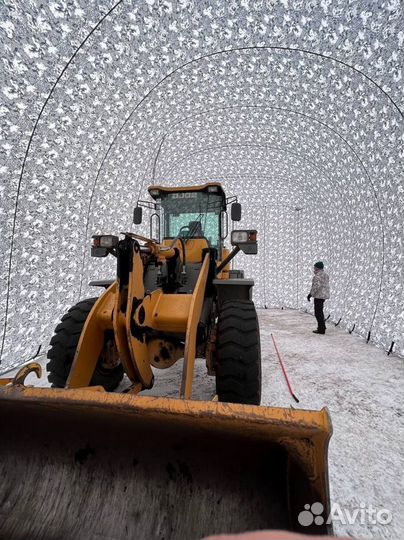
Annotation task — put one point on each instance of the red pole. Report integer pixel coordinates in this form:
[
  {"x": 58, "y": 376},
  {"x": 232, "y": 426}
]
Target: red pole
[{"x": 284, "y": 370}]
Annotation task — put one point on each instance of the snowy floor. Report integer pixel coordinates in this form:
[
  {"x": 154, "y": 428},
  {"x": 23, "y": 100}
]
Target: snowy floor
[{"x": 363, "y": 389}]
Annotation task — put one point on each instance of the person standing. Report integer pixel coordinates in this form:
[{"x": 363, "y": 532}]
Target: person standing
[{"x": 320, "y": 291}]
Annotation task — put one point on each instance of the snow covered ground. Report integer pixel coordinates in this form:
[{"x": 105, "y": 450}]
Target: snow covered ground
[{"x": 363, "y": 389}]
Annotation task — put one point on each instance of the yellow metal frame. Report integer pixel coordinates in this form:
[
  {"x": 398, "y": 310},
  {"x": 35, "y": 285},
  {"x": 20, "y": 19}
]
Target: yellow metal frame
[
  {"x": 91, "y": 341},
  {"x": 139, "y": 351},
  {"x": 192, "y": 328},
  {"x": 193, "y": 248},
  {"x": 126, "y": 310}
]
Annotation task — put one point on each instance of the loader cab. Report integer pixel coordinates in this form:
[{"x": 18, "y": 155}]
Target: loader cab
[{"x": 192, "y": 213}]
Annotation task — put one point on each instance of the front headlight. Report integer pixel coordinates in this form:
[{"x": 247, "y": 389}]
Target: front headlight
[
  {"x": 108, "y": 241},
  {"x": 245, "y": 240},
  {"x": 102, "y": 243},
  {"x": 238, "y": 237},
  {"x": 105, "y": 241}
]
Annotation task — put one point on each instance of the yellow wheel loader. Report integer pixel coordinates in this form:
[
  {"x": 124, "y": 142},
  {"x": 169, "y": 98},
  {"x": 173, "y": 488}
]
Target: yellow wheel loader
[{"x": 79, "y": 461}]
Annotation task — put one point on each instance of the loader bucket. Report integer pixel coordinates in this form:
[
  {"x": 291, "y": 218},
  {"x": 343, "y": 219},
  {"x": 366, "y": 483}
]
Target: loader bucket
[{"x": 95, "y": 465}]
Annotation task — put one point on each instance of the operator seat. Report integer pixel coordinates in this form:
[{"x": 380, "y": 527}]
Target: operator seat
[
  {"x": 195, "y": 229},
  {"x": 196, "y": 242}
]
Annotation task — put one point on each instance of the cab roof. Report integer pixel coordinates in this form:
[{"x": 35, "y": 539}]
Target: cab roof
[{"x": 182, "y": 189}]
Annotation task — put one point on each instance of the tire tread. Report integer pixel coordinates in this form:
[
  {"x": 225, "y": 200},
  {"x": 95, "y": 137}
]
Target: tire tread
[{"x": 238, "y": 353}]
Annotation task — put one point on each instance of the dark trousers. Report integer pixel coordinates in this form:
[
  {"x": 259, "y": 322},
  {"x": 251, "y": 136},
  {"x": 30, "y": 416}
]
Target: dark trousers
[{"x": 319, "y": 313}]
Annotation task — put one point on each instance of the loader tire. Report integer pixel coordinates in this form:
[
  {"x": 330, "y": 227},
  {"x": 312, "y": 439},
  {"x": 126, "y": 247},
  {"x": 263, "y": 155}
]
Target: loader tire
[
  {"x": 238, "y": 353},
  {"x": 63, "y": 347}
]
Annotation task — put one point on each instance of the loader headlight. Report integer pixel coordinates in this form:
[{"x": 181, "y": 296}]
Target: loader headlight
[
  {"x": 245, "y": 240},
  {"x": 239, "y": 236},
  {"x": 102, "y": 244},
  {"x": 105, "y": 241}
]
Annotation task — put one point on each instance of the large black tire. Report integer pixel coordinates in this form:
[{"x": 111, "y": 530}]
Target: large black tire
[
  {"x": 238, "y": 353},
  {"x": 64, "y": 344}
]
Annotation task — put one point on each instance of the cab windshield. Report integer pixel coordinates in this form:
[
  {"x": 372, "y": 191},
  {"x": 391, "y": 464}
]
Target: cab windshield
[{"x": 192, "y": 214}]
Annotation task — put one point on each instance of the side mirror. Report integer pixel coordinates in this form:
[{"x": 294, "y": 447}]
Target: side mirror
[
  {"x": 236, "y": 211},
  {"x": 137, "y": 215}
]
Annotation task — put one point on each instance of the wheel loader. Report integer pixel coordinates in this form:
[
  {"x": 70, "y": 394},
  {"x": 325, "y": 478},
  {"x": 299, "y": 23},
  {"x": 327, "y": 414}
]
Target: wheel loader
[{"x": 91, "y": 457}]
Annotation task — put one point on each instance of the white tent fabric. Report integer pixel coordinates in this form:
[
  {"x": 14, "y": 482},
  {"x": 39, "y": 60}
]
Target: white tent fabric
[{"x": 296, "y": 106}]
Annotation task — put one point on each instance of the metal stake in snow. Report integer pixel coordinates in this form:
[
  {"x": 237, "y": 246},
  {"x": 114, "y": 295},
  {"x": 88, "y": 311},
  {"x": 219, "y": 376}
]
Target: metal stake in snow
[{"x": 284, "y": 370}]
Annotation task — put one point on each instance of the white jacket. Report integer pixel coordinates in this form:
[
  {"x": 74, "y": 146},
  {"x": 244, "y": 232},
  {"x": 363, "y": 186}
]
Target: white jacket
[{"x": 320, "y": 287}]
